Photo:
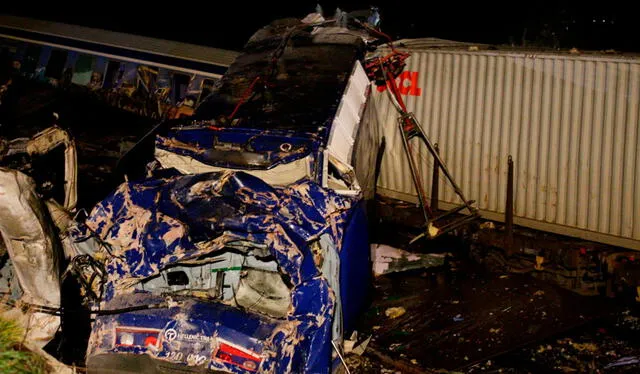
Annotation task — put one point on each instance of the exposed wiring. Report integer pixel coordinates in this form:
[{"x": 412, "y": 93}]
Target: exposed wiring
[
  {"x": 244, "y": 97},
  {"x": 275, "y": 56},
  {"x": 29, "y": 307},
  {"x": 279, "y": 51},
  {"x": 59, "y": 311},
  {"x": 79, "y": 264}
]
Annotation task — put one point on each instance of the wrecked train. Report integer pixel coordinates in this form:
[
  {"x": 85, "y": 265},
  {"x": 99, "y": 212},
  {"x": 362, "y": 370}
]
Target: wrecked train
[
  {"x": 238, "y": 242},
  {"x": 147, "y": 76}
]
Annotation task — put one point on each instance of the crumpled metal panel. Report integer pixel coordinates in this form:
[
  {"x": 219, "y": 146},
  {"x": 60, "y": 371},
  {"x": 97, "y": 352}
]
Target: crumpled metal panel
[
  {"x": 303, "y": 88},
  {"x": 252, "y": 149},
  {"x": 30, "y": 239},
  {"x": 47, "y": 140},
  {"x": 280, "y": 175},
  {"x": 155, "y": 223}
]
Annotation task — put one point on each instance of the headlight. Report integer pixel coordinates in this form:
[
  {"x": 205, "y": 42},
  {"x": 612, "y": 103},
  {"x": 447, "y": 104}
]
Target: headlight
[
  {"x": 236, "y": 355},
  {"x": 136, "y": 337},
  {"x": 126, "y": 339}
]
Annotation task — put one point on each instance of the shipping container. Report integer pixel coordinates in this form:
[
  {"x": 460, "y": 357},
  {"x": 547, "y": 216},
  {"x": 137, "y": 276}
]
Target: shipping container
[{"x": 570, "y": 121}]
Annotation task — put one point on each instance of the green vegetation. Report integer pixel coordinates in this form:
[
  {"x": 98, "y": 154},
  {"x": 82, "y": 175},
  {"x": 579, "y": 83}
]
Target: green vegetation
[{"x": 15, "y": 359}]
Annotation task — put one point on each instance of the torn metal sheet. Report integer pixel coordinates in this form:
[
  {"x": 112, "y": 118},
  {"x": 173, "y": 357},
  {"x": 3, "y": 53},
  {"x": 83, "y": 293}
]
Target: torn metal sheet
[
  {"x": 49, "y": 139},
  {"x": 212, "y": 209},
  {"x": 387, "y": 259},
  {"x": 280, "y": 175},
  {"x": 31, "y": 229},
  {"x": 32, "y": 247},
  {"x": 155, "y": 224}
]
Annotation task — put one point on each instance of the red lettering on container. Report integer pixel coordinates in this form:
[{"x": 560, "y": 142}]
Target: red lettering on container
[{"x": 407, "y": 83}]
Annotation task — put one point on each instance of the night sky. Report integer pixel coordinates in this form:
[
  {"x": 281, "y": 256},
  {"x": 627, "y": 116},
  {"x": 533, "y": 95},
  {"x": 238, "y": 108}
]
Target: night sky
[{"x": 550, "y": 24}]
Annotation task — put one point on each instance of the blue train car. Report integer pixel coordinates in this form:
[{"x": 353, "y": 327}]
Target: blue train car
[{"x": 244, "y": 246}]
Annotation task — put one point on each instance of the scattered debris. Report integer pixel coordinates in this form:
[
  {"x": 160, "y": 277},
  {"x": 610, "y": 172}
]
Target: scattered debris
[
  {"x": 624, "y": 361},
  {"x": 348, "y": 344},
  {"x": 361, "y": 348},
  {"x": 387, "y": 259},
  {"x": 591, "y": 347},
  {"x": 404, "y": 367},
  {"x": 608, "y": 345},
  {"x": 395, "y": 312},
  {"x": 488, "y": 225},
  {"x": 351, "y": 347}
]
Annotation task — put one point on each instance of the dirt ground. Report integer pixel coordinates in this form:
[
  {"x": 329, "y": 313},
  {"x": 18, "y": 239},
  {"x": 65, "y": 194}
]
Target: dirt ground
[{"x": 465, "y": 320}]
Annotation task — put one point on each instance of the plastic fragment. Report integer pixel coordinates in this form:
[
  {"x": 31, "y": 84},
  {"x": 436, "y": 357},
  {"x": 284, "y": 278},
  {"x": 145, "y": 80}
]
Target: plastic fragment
[{"x": 395, "y": 312}]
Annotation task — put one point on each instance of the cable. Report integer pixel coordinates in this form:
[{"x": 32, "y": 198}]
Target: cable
[
  {"x": 275, "y": 56},
  {"x": 244, "y": 97},
  {"x": 26, "y": 307}
]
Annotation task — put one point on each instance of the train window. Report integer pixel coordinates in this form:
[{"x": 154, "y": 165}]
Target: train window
[
  {"x": 179, "y": 87},
  {"x": 56, "y": 63},
  {"x": 5, "y": 57},
  {"x": 207, "y": 88},
  {"x": 147, "y": 78},
  {"x": 82, "y": 70},
  {"x": 31, "y": 58},
  {"x": 113, "y": 67}
]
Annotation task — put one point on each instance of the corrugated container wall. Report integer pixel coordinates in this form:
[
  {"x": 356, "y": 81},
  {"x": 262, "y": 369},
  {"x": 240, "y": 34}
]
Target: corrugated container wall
[{"x": 571, "y": 124}]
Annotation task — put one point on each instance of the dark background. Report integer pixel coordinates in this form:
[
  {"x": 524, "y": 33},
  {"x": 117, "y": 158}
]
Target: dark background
[{"x": 596, "y": 25}]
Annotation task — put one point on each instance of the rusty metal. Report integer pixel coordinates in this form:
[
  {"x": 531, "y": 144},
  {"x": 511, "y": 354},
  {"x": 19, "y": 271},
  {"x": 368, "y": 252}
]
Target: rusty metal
[
  {"x": 508, "y": 216},
  {"x": 417, "y": 131},
  {"x": 409, "y": 128},
  {"x": 414, "y": 173},
  {"x": 434, "y": 180}
]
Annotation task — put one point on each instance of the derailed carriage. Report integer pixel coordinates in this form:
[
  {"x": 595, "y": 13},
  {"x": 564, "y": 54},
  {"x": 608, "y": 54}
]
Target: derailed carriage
[
  {"x": 239, "y": 241},
  {"x": 251, "y": 219}
]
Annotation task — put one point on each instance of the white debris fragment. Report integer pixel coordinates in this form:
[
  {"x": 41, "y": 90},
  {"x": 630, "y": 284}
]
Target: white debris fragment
[
  {"x": 395, "y": 312},
  {"x": 387, "y": 259}
]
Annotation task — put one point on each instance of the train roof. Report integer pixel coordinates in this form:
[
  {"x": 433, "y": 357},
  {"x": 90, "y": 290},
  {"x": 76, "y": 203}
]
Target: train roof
[{"x": 117, "y": 45}]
